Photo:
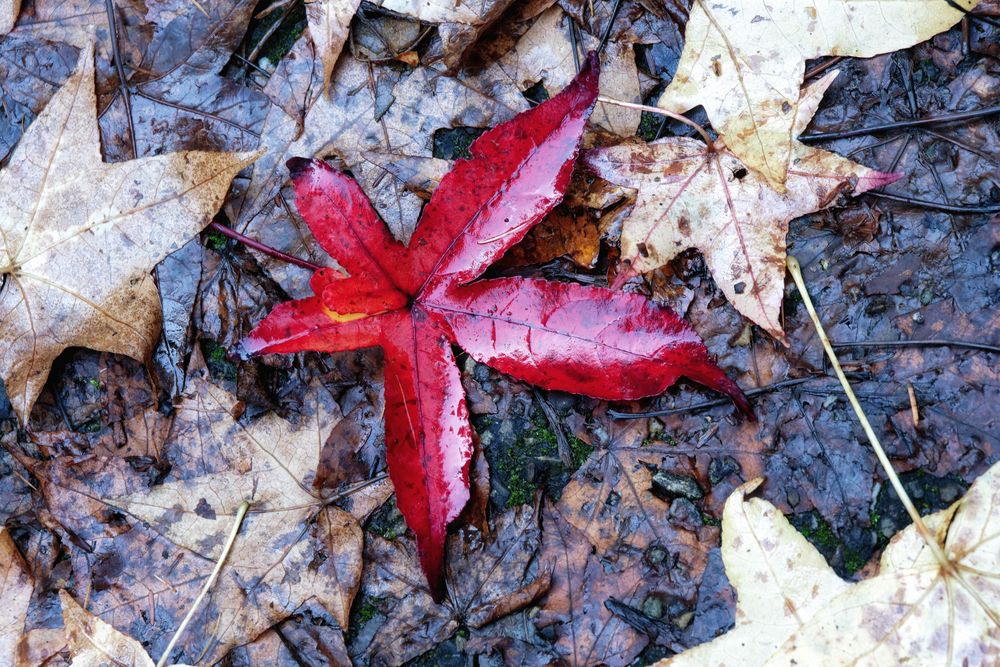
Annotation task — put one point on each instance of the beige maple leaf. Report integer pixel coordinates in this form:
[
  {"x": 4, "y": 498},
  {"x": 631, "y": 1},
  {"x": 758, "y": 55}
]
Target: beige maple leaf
[
  {"x": 792, "y": 608},
  {"x": 691, "y": 196},
  {"x": 545, "y": 54},
  {"x": 329, "y": 24},
  {"x": 744, "y": 62},
  {"x": 459, "y": 24},
  {"x": 80, "y": 237},
  {"x": 293, "y": 547},
  {"x": 9, "y": 9},
  {"x": 93, "y": 643},
  {"x": 16, "y": 586}
]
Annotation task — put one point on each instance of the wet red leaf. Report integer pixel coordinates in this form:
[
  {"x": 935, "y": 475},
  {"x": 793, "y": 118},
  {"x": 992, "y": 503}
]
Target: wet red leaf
[{"x": 416, "y": 301}]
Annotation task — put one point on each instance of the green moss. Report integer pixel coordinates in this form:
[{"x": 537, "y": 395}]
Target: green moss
[
  {"x": 513, "y": 462},
  {"x": 94, "y": 382},
  {"x": 217, "y": 360},
  {"x": 215, "y": 240},
  {"x": 453, "y": 143},
  {"x": 649, "y": 126},
  {"x": 709, "y": 520}
]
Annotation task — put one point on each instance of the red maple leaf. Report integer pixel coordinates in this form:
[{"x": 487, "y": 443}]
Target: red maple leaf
[{"x": 415, "y": 302}]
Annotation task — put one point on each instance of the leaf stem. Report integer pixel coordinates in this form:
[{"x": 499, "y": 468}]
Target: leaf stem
[
  {"x": 260, "y": 247},
  {"x": 662, "y": 112},
  {"x": 796, "y": 270},
  {"x": 240, "y": 513}
]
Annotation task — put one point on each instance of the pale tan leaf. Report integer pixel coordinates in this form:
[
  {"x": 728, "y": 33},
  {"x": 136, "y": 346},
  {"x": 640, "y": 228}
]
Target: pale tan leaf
[
  {"x": 459, "y": 23},
  {"x": 921, "y": 615},
  {"x": 94, "y": 643},
  {"x": 545, "y": 54},
  {"x": 15, "y": 591},
  {"x": 744, "y": 61},
  {"x": 914, "y": 612},
  {"x": 780, "y": 579},
  {"x": 269, "y": 462},
  {"x": 691, "y": 196},
  {"x": 9, "y": 9},
  {"x": 329, "y": 24},
  {"x": 80, "y": 237}
]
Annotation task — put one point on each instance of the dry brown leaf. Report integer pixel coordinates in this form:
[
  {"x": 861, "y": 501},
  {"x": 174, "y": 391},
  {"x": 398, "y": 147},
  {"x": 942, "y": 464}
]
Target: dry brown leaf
[
  {"x": 745, "y": 62},
  {"x": 793, "y": 609},
  {"x": 80, "y": 237},
  {"x": 693, "y": 197},
  {"x": 16, "y": 586},
  {"x": 490, "y": 575},
  {"x": 9, "y": 10},
  {"x": 614, "y": 546},
  {"x": 459, "y": 24},
  {"x": 545, "y": 54},
  {"x": 329, "y": 24},
  {"x": 293, "y": 547}
]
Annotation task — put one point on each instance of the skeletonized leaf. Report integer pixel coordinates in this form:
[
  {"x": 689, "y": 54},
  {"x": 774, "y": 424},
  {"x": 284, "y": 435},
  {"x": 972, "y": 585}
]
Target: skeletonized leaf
[
  {"x": 691, "y": 196},
  {"x": 79, "y": 237},
  {"x": 15, "y": 592},
  {"x": 744, "y": 61}
]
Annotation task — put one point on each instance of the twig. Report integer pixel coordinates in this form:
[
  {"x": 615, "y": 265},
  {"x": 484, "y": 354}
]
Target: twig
[
  {"x": 611, "y": 24},
  {"x": 662, "y": 112},
  {"x": 109, "y": 8},
  {"x": 822, "y": 67},
  {"x": 919, "y": 343},
  {"x": 796, "y": 270},
  {"x": 240, "y": 513},
  {"x": 903, "y": 124},
  {"x": 936, "y": 206},
  {"x": 616, "y": 414},
  {"x": 260, "y": 247}
]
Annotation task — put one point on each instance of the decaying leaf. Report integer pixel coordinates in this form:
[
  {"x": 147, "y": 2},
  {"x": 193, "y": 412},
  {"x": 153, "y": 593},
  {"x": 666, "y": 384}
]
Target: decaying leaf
[
  {"x": 693, "y": 196},
  {"x": 793, "y": 610},
  {"x": 489, "y": 575},
  {"x": 544, "y": 54},
  {"x": 415, "y": 302},
  {"x": 745, "y": 61},
  {"x": 387, "y": 111},
  {"x": 294, "y": 546},
  {"x": 94, "y": 643},
  {"x": 15, "y": 593},
  {"x": 459, "y": 24},
  {"x": 329, "y": 25},
  {"x": 80, "y": 237}
]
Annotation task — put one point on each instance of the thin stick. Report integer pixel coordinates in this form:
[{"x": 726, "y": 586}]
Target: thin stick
[
  {"x": 240, "y": 513},
  {"x": 266, "y": 249},
  {"x": 796, "y": 270},
  {"x": 920, "y": 343},
  {"x": 933, "y": 205},
  {"x": 661, "y": 112},
  {"x": 903, "y": 124}
]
